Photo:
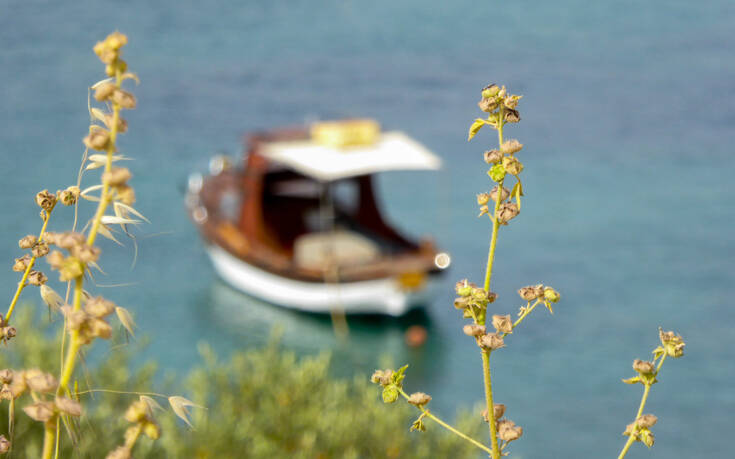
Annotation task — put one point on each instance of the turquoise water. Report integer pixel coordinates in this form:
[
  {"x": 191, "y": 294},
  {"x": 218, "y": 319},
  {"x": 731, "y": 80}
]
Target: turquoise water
[{"x": 628, "y": 122}]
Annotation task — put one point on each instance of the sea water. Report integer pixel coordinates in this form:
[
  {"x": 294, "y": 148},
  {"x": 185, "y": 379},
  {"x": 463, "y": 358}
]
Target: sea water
[{"x": 628, "y": 125}]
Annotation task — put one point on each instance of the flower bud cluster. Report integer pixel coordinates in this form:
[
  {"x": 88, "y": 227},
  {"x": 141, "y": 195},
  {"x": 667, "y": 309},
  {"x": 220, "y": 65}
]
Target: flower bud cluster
[
  {"x": 90, "y": 323},
  {"x": 671, "y": 344},
  {"x": 40, "y": 385},
  {"x": 473, "y": 300},
  {"x": 640, "y": 429},
  {"x": 80, "y": 254},
  {"x": 392, "y": 384},
  {"x": 547, "y": 295},
  {"x": 497, "y": 102},
  {"x": 109, "y": 51},
  {"x": 46, "y": 200}
]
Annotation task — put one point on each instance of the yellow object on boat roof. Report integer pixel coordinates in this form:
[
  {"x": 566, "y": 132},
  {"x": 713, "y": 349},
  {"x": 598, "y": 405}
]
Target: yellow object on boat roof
[
  {"x": 341, "y": 149},
  {"x": 348, "y": 133}
]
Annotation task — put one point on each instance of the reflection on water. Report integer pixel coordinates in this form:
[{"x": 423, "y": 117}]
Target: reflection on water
[{"x": 252, "y": 321}]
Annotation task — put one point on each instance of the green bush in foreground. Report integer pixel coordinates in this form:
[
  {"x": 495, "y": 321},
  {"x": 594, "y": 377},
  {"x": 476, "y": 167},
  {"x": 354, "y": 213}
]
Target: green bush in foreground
[{"x": 261, "y": 403}]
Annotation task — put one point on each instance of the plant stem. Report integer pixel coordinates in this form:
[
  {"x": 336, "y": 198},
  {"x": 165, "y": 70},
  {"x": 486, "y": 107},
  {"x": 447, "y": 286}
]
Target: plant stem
[
  {"x": 496, "y": 223},
  {"x": 104, "y": 197},
  {"x": 490, "y": 403},
  {"x": 642, "y": 405},
  {"x": 130, "y": 440},
  {"x": 49, "y": 436},
  {"x": 488, "y": 277},
  {"x": 429, "y": 414},
  {"x": 526, "y": 312},
  {"x": 22, "y": 283}
]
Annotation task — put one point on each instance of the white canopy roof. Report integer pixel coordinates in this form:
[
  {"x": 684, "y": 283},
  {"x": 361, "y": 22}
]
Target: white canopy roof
[{"x": 392, "y": 151}]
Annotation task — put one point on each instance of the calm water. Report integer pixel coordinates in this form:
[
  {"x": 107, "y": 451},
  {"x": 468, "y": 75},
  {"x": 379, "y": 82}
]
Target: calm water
[{"x": 629, "y": 122}]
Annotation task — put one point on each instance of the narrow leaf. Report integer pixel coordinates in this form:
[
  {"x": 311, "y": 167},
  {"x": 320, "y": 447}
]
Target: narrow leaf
[
  {"x": 98, "y": 114},
  {"x": 106, "y": 80},
  {"x": 152, "y": 404},
  {"x": 52, "y": 299},
  {"x": 127, "y": 209},
  {"x": 105, "y": 231},
  {"x": 114, "y": 220},
  {"x": 476, "y": 126},
  {"x": 179, "y": 404},
  {"x": 125, "y": 319}
]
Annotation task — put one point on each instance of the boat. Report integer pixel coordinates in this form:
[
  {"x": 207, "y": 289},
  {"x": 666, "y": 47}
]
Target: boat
[{"x": 297, "y": 224}]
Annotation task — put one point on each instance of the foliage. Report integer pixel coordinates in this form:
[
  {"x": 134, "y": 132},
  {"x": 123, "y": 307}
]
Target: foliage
[{"x": 261, "y": 403}]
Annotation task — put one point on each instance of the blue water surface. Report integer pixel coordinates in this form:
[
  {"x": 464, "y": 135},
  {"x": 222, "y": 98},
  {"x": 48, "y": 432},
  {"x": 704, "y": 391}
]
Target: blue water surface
[{"x": 628, "y": 121}]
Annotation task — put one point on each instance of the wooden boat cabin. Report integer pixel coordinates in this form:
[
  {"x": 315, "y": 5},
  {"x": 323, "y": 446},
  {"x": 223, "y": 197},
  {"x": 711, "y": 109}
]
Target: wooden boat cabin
[{"x": 298, "y": 224}]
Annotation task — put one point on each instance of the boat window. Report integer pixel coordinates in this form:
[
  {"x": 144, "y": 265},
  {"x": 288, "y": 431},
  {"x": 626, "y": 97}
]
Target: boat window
[
  {"x": 229, "y": 205},
  {"x": 345, "y": 195}
]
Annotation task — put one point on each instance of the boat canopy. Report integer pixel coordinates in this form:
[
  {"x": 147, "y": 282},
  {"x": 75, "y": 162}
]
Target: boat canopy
[{"x": 390, "y": 151}]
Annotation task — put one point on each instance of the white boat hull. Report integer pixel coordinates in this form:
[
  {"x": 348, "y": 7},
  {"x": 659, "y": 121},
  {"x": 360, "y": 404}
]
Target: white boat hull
[{"x": 380, "y": 296}]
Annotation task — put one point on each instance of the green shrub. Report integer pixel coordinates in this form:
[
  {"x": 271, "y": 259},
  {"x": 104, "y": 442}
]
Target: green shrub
[{"x": 261, "y": 403}]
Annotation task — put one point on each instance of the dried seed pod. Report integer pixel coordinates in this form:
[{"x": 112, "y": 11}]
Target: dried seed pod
[
  {"x": 492, "y": 156},
  {"x": 41, "y": 382},
  {"x": 21, "y": 263},
  {"x": 673, "y": 344},
  {"x": 646, "y": 368},
  {"x": 419, "y": 399},
  {"x": 507, "y": 212},
  {"x": 503, "y": 324},
  {"x": 40, "y": 411},
  {"x": 70, "y": 196},
  {"x": 27, "y": 242},
  {"x": 37, "y": 278},
  {"x": 40, "y": 249},
  {"x": 71, "y": 269},
  {"x": 492, "y": 341},
  {"x": 531, "y": 292},
  {"x": 473, "y": 330},
  {"x": 8, "y": 332},
  {"x": 498, "y": 411},
  {"x": 646, "y": 421},
  {"x": 104, "y": 91},
  {"x": 86, "y": 253},
  {"x": 511, "y": 102},
  {"x": 511, "y": 146},
  {"x": 70, "y": 239},
  {"x": 98, "y": 328},
  {"x": 124, "y": 99},
  {"x": 503, "y": 196},
  {"x": 488, "y": 105},
  {"x": 462, "y": 302},
  {"x": 6, "y": 376},
  {"x": 46, "y": 200},
  {"x": 98, "y": 139},
  {"x": 508, "y": 431},
  {"x": 125, "y": 194},
  {"x": 512, "y": 165},
  {"x": 512, "y": 116},
  {"x": 55, "y": 259},
  {"x": 117, "y": 176},
  {"x": 483, "y": 199},
  {"x": 99, "y": 307},
  {"x": 68, "y": 406}
]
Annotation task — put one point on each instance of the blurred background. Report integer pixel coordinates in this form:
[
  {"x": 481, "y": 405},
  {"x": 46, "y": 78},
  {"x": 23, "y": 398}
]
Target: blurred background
[{"x": 628, "y": 125}]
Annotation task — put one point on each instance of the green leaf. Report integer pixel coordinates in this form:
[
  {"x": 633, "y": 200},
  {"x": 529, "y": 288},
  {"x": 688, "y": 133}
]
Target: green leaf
[{"x": 475, "y": 128}]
